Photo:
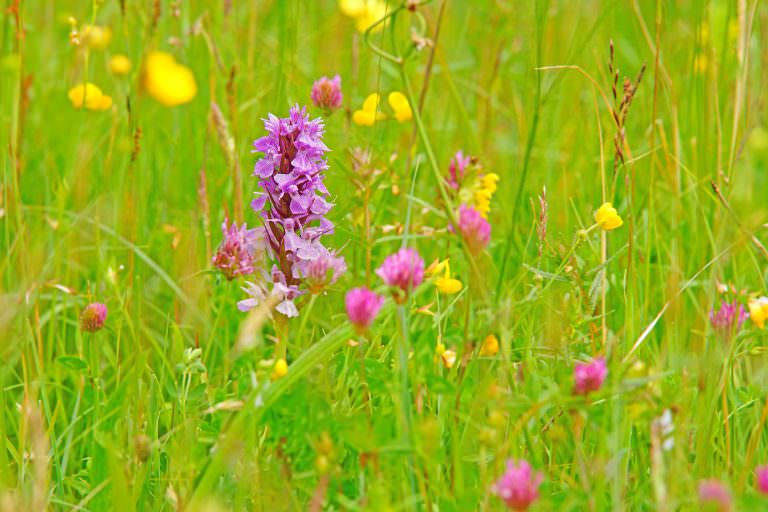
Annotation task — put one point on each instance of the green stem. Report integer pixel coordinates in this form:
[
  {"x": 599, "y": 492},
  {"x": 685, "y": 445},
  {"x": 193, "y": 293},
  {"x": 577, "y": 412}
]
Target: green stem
[{"x": 406, "y": 419}]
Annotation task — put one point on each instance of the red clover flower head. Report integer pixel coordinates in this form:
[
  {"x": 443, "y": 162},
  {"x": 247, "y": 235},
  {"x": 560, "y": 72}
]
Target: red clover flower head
[
  {"x": 590, "y": 376},
  {"x": 93, "y": 317},
  {"x": 404, "y": 270},
  {"x": 714, "y": 491},
  {"x": 518, "y": 486},
  {"x": 729, "y": 317},
  {"x": 326, "y": 93},
  {"x": 323, "y": 271},
  {"x": 474, "y": 228},
  {"x": 362, "y": 307}
]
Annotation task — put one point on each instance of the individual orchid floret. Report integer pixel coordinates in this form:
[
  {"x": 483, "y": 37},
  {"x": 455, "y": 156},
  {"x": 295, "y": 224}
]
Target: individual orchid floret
[
  {"x": 518, "y": 486},
  {"x": 239, "y": 251}
]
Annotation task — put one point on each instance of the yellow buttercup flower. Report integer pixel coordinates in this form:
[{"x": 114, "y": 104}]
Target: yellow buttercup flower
[
  {"x": 364, "y": 12},
  {"x": 369, "y": 113},
  {"x": 400, "y": 105},
  {"x": 89, "y": 96},
  {"x": 758, "y": 311},
  {"x": 120, "y": 64},
  {"x": 280, "y": 370},
  {"x": 95, "y": 36},
  {"x": 607, "y": 217},
  {"x": 490, "y": 346},
  {"x": 167, "y": 81}
]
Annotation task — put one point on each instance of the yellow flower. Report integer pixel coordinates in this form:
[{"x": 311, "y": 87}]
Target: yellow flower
[
  {"x": 480, "y": 193},
  {"x": 489, "y": 181},
  {"x": 448, "y": 285},
  {"x": 607, "y": 217},
  {"x": 95, "y": 36},
  {"x": 167, "y": 81},
  {"x": 280, "y": 370},
  {"x": 89, "y": 96},
  {"x": 400, "y": 105},
  {"x": 436, "y": 267},
  {"x": 758, "y": 311},
  {"x": 490, "y": 346},
  {"x": 449, "y": 358},
  {"x": 120, "y": 64},
  {"x": 369, "y": 113},
  {"x": 352, "y": 8},
  {"x": 445, "y": 283},
  {"x": 364, "y": 12}
]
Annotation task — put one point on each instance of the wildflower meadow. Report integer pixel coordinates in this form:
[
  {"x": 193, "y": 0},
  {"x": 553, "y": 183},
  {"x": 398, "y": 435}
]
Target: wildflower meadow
[{"x": 386, "y": 255}]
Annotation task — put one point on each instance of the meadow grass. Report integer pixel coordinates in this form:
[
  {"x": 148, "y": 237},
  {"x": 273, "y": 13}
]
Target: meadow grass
[{"x": 172, "y": 405}]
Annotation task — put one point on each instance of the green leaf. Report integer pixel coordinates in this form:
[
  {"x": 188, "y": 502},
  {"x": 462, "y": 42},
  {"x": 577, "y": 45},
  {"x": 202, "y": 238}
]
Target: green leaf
[{"x": 72, "y": 362}]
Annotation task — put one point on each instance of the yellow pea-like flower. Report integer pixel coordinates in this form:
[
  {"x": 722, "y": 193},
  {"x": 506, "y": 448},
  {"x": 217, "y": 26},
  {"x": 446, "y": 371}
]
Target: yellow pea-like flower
[
  {"x": 445, "y": 283},
  {"x": 120, "y": 64},
  {"x": 448, "y": 285},
  {"x": 485, "y": 187},
  {"x": 758, "y": 311},
  {"x": 280, "y": 370},
  {"x": 167, "y": 81},
  {"x": 490, "y": 346},
  {"x": 489, "y": 181},
  {"x": 89, "y": 96},
  {"x": 400, "y": 105},
  {"x": 369, "y": 114},
  {"x": 607, "y": 217}
]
